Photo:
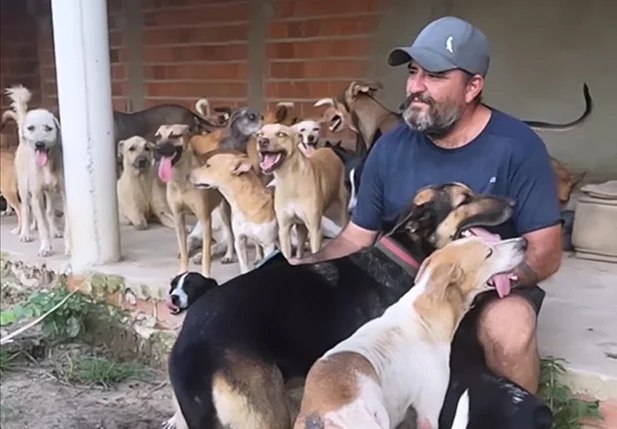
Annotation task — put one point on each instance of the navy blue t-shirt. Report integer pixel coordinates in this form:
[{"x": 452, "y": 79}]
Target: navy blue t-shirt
[{"x": 507, "y": 158}]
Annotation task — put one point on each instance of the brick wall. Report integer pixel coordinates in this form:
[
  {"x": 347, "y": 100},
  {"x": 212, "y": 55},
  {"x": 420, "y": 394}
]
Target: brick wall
[
  {"x": 196, "y": 48},
  {"x": 316, "y": 47},
  {"x": 18, "y": 56}
]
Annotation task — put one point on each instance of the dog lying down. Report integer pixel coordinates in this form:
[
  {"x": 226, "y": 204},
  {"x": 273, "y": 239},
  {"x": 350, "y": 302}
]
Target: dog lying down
[{"x": 242, "y": 343}]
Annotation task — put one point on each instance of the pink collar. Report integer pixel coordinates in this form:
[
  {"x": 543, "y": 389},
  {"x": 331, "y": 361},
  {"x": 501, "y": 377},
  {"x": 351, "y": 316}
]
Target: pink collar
[{"x": 399, "y": 252}]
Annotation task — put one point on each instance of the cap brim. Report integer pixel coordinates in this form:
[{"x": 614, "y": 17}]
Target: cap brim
[{"x": 430, "y": 61}]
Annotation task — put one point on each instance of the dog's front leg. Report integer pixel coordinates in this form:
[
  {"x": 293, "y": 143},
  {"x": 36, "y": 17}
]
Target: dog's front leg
[
  {"x": 240, "y": 243},
  {"x": 25, "y": 235},
  {"x": 315, "y": 234},
  {"x": 285, "y": 236},
  {"x": 180, "y": 227},
  {"x": 206, "y": 245},
  {"x": 50, "y": 212},
  {"x": 38, "y": 200},
  {"x": 225, "y": 210},
  {"x": 301, "y": 234}
]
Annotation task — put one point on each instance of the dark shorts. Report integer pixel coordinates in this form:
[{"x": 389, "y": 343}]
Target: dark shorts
[{"x": 534, "y": 295}]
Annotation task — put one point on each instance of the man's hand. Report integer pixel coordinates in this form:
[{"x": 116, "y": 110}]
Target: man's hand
[{"x": 543, "y": 258}]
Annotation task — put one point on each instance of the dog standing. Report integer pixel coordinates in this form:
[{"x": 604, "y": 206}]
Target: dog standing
[
  {"x": 401, "y": 358},
  {"x": 176, "y": 162},
  {"x": 252, "y": 204},
  {"x": 322, "y": 181},
  {"x": 40, "y": 173},
  {"x": 310, "y": 133},
  {"x": 140, "y": 197}
]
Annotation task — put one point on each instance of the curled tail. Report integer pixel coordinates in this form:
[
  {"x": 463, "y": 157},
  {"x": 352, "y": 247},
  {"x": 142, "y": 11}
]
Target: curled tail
[
  {"x": 20, "y": 97},
  {"x": 461, "y": 417},
  {"x": 203, "y": 107}
]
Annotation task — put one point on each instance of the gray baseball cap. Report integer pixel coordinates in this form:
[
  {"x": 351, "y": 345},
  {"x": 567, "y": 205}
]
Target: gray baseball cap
[{"x": 447, "y": 43}]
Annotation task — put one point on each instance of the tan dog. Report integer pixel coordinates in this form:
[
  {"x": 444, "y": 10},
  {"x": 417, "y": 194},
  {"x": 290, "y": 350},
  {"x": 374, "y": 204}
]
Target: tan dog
[
  {"x": 40, "y": 172},
  {"x": 8, "y": 185},
  {"x": 321, "y": 177},
  {"x": 401, "y": 358},
  {"x": 252, "y": 204},
  {"x": 177, "y": 160},
  {"x": 284, "y": 114},
  {"x": 566, "y": 181},
  {"x": 140, "y": 196}
]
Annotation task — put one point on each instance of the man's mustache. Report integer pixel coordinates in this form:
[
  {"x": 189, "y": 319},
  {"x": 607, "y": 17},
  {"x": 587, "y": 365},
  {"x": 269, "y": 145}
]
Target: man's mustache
[{"x": 416, "y": 96}]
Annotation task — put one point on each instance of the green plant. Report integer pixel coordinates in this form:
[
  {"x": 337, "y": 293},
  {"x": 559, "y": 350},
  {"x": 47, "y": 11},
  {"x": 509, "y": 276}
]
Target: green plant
[
  {"x": 568, "y": 410},
  {"x": 7, "y": 360},
  {"x": 66, "y": 322},
  {"x": 99, "y": 371}
]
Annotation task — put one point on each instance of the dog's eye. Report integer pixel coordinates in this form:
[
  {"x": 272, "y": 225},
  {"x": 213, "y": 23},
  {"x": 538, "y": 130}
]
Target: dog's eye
[
  {"x": 302, "y": 130},
  {"x": 31, "y": 128},
  {"x": 147, "y": 148},
  {"x": 489, "y": 254},
  {"x": 157, "y": 136},
  {"x": 281, "y": 135},
  {"x": 132, "y": 149},
  {"x": 47, "y": 128},
  {"x": 252, "y": 117}
]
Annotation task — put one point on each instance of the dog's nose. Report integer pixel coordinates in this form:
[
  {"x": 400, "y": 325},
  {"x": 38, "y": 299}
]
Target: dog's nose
[
  {"x": 263, "y": 142},
  {"x": 174, "y": 300},
  {"x": 39, "y": 145},
  {"x": 311, "y": 138},
  {"x": 142, "y": 162}
]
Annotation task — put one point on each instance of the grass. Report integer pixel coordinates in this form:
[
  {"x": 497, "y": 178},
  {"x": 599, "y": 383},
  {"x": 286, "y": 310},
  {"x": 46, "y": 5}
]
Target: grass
[
  {"x": 99, "y": 371},
  {"x": 568, "y": 410},
  {"x": 8, "y": 359}
]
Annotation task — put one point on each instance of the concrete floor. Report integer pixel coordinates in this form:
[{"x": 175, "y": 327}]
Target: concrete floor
[{"x": 578, "y": 321}]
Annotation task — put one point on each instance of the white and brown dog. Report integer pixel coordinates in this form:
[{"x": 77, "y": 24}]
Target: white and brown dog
[
  {"x": 310, "y": 134},
  {"x": 140, "y": 195},
  {"x": 252, "y": 203},
  {"x": 401, "y": 359},
  {"x": 305, "y": 186},
  {"x": 40, "y": 173}
]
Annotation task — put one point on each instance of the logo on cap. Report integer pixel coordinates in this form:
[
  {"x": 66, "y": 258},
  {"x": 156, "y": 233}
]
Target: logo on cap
[{"x": 449, "y": 44}]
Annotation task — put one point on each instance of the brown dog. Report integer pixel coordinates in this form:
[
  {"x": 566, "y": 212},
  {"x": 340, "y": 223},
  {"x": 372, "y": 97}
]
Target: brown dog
[
  {"x": 177, "y": 161},
  {"x": 566, "y": 181},
  {"x": 140, "y": 196},
  {"x": 8, "y": 184},
  {"x": 321, "y": 177}
]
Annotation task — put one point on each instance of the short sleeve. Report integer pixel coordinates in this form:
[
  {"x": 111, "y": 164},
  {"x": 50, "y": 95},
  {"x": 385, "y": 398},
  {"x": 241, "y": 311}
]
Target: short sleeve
[
  {"x": 533, "y": 185},
  {"x": 369, "y": 208}
]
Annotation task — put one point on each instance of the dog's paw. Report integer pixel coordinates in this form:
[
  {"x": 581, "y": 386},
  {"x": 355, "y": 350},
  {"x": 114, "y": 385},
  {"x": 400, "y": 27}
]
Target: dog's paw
[
  {"x": 196, "y": 259},
  {"x": 228, "y": 259},
  {"x": 57, "y": 234},
  {"x": 141, "y": 225},
  {"x": 15, "y": 231},
  {"x": 170, "y": 423},
  {"x": 44, "y": 251},
  {"x": 25, "y": 238}
]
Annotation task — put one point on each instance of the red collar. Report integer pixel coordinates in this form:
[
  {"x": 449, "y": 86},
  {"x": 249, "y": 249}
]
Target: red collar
[{"x": 399, "y": 252}]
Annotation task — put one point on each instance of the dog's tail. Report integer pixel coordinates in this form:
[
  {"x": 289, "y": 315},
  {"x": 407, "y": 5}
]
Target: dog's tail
[
  {"x": 461, "y": 418},
  {"x": 203, "y": 107},
  {"x": 20, "y": 97}
]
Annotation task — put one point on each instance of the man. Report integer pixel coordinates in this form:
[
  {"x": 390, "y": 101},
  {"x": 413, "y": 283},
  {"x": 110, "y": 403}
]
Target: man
[{"x": 449, "y": 135}]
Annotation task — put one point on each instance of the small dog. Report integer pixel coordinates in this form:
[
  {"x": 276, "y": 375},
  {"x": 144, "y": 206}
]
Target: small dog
[
  {"x": 323, "y": 184},
  {"x": 176, "y": 161},
  {"x": 8, "y": 185},
  {"x": 40, "y": 173},
  {"x": 284, "y": 114},
  {"x": 221, "y": 115},
  {"x": 566, "y": 181},
  {"x": 140, "y": 196},
  {"x": 401, "y": 358},
  {"x": 252, "y": 204},
  {"x": 310, "y": 132}
]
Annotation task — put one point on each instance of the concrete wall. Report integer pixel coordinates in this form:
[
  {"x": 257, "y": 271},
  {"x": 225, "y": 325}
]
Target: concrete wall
[{"x": 259, "y": 52}]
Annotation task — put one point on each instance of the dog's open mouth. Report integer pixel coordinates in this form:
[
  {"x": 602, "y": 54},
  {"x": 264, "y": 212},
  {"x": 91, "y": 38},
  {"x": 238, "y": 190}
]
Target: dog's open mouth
[
  {"x": 335, "y": 123},
  {"x": 41, "y": 156},
  {"x": 500, "y": 282},
  {"x": 167, "y": 162},
  {"x": 269, "y": 160}
]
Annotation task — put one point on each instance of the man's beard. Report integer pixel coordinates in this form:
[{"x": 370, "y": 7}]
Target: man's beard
[{"x": 437, "y": 122}]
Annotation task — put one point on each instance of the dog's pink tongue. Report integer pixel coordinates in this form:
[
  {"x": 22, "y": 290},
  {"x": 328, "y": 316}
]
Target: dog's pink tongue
[
  {"x": 268, "y": 161},
  {"x": 41, "y": 158},
  {"x": 165, "y": 169},
  {"x": 501, "y": 281}
]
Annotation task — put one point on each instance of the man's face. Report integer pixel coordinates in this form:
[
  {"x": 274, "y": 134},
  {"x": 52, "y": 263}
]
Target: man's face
[{"x": 435, "y": 101}]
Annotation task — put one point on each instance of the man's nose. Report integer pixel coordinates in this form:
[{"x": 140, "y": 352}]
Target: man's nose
[{"x": 415, "y": 84}]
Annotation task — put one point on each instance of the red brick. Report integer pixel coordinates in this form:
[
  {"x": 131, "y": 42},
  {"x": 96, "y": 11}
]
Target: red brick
[
  {"x": 206, "y": 71},
  {"x": 308, "y": 8},
  {"x": 196, "y": 35},
  {"x": 350, "y": 68},
  {"x": 195, "y": 53},
  {"x": 197, "y": 89},
  {"x": 118, "y": 72},
  {"x": 324, "y": 27},
  {"x": 208, "y": 13},
  {"x": 341, "y": 48}
]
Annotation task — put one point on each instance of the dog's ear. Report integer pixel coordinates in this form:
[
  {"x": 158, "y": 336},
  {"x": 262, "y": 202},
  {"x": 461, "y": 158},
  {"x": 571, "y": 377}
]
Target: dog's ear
[
  {"x": 486, "y": 211},
  {"x": 576, "y": 179},
  {"x": 442, "y": 276},
  {"x": 413, "y": 219},
  {"x": 120, "y": 146},
  {"x": 242, "y": 166},
  {"x": 281, "y": 112},
  {"x": 325, "y": 102},
  {"x": 369, "y": 88}
]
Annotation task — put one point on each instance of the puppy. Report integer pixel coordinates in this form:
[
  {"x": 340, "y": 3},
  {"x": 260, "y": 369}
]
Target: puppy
[
  {"x": 321, "y": 176},
  {"x": 566, "y": 181},
  {"x": 401, "y": 358},
  {"x": 40, "y": 173},
  {"x": 310, "y": 132},
  {"x": 140, "y": 197},
  {"x": 252, "y": 205},
  {"x": 176, "y": 162}
]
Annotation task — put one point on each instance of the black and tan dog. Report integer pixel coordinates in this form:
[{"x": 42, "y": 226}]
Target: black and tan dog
[
  {"x": 241, "y": 343},
  {"x": 176, "y": 160}
]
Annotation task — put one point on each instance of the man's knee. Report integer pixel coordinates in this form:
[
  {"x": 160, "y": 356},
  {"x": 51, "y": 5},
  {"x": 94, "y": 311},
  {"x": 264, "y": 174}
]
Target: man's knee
[{"x": 507, "y": 326}]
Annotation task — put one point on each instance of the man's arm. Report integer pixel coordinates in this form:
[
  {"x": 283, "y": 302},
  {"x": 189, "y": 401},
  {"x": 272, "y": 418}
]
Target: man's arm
[
  {"x": 363, "y": 228},
  {"x": 537, "y": 216}
]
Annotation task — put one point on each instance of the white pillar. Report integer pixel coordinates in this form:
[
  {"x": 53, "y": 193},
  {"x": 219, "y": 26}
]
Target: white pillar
[{"x": 84, "y": 96}]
